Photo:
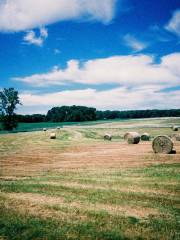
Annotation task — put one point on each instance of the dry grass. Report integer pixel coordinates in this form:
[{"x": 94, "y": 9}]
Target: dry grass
[{"x": 88, "y": 188}]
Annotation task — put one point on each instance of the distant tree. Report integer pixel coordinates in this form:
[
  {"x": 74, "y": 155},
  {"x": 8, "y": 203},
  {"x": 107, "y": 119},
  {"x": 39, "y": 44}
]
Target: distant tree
[
  {"x": 34, "y": 118},
  {"x": 9, "y": 99},
  {"x": 71, "y": 114},
  {"x": 82, "y": 113},
  {"x": 99, "y": 115}
]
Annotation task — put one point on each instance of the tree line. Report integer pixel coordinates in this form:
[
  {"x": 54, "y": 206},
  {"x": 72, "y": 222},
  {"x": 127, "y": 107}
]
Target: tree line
[
  {"x": 82, "y": 113},
  {"x": 137, "y": 114},
  {"x": 9, "y": 100}
]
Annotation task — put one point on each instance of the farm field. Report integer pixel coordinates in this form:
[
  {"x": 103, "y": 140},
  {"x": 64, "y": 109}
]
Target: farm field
[
  {"x": 79, "y": 186},
  {"x": 122, "y": 123}
]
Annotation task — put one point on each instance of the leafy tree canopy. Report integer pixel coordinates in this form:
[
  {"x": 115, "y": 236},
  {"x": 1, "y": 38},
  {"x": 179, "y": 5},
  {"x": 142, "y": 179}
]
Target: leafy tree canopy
[{"x": 9, "y": 99}]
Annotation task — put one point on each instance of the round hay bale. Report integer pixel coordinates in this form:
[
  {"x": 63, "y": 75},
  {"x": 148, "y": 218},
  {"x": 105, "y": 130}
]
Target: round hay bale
[
  {"x": 145, "y": 137},
  {"x": 177, "y": 137},
  {"x": 107, "y": 137},
  {"x": 125, "y": 136},
  {"x": 162, "y": 144},
  {"x": 44, "y": 129},
  {"x": 132, "y": 137},
  {"x": 175, "y": 128},
  {"x": 52, "y": 136}
]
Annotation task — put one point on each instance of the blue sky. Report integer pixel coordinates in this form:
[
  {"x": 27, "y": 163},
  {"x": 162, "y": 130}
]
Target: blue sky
[{"x": 109, "y": 54}]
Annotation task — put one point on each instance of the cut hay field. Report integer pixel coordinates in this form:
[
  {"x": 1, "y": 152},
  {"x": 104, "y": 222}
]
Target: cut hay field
[
  {"x": 79, "y": 186},
  {"x": 162, "y": 122}
]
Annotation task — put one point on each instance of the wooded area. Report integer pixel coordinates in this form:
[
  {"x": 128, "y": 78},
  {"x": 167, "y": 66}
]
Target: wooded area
[{"x": 82, "y": 113}]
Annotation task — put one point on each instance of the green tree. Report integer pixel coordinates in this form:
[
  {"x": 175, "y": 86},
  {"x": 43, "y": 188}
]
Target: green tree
[
  {"x": 9, "y": 99},
  {"x": 71, "y": 114}
]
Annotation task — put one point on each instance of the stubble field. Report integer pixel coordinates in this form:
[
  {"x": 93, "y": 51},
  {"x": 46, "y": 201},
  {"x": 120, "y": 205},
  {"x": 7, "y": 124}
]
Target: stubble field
[{"x": 79, "y": 186}]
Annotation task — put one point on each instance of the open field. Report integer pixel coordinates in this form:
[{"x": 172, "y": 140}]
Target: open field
[
  {"x": 121, "y": 123},
  {"x": 79, "y": 186}
]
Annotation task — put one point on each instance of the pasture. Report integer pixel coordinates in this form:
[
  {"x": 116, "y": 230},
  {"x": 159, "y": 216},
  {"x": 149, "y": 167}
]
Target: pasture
[{"x": 79, "y": 186}]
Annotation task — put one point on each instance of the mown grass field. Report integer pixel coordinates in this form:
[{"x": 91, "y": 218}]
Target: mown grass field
[
  {"x": 29, "y": 127},
  {"x": 79, "y": 186}
]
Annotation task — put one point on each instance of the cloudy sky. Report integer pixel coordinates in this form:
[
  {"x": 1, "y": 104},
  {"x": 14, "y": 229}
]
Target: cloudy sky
[{"x": 109, "y": 54}]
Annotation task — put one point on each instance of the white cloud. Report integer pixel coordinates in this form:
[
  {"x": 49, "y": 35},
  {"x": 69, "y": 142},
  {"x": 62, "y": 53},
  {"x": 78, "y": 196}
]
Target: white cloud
[
  {"x": 174, "y": 23},
  {"x": 31, "y": 38},
  {"x": 127, "y": 71},
  {"x": 172, "y": 63},
  {"x": 134, "y": 43},
  {"x": 18, "y": 15},
  {"x": 119, "y": 98},
  {"x": 141, "y": 82}
]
